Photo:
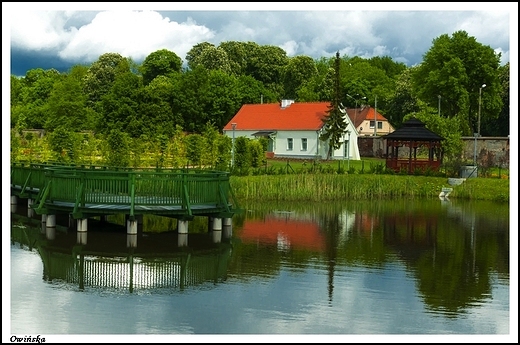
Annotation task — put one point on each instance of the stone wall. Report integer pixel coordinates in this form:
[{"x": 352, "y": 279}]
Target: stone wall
[{"x": 490, "y": 151}]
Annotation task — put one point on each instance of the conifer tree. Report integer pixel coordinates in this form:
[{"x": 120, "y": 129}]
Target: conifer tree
[{"x": 335, "y": 124}]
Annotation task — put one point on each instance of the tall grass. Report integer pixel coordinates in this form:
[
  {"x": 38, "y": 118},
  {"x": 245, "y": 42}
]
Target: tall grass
[{"x": 330, "y": 187}]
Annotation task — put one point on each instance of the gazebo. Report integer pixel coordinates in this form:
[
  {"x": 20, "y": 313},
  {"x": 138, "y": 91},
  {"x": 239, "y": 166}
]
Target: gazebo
[{"x": 413, "y": 135}]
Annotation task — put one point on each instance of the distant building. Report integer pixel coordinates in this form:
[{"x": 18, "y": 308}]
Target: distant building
[{"x": 292, "y": 129}]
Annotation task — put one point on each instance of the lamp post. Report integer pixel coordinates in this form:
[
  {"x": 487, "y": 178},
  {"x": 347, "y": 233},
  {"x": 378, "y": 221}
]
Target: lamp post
[
  {"x": 439, "y": 105},
  {"x": 375, "y": 117},
  {"x": 479, "y": 105},
  {"x": 233, "y": 125},
  {"x": 348, "y": 151}
]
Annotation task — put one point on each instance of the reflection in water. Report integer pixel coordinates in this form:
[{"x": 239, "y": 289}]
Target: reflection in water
[
  {"x": 452, "y": 250},
  {"x": 158, "y": 262}
]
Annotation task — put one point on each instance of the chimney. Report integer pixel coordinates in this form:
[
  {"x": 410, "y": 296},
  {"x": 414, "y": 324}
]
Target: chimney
[{"x": 287, "y": 102}]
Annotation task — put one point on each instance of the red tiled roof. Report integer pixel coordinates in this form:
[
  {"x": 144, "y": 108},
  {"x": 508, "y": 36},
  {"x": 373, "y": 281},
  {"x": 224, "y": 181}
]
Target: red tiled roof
[
  {"x": 296, "y": 116},
  {"x": 265, "y": 117},
  {"x": 363, "y": 114}
]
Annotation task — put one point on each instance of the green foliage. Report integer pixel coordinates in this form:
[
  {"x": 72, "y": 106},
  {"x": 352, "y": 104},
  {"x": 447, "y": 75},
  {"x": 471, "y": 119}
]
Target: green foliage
[
  {"x": 118, "y": 146},
  {"x": 334, "y": 122},
  {"x": 102, "y": 74},
  {"x": 298, "y": 71},
  {"x": 242, "y": 159},
  {"x": 65, "y": 145},
  {"x": 444, "y": 127},
  {"x": 257, "y": 153},
  {"x": 177, "y": 148},
  {"x": 162, "y": 62},
  {"x": 194, "y": 148},
  {"x": 456, "y": 67}
]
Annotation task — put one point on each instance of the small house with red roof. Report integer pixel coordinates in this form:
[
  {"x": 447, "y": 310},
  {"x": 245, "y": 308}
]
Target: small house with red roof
[
  {"x": 368, "y": 122},
  {"x": 292, "y": 129}
]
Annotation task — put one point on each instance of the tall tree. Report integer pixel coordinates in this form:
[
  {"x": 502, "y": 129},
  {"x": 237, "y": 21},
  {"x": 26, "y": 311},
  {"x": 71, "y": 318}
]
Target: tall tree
[
  {"x": 160, "y": 62},
  {"x": 334, "y": 122},
  {"x": 102, "y": 74},
  {"x": 500, "y": 126},
  {"x": 194, "y": 54},
  {"x": 456, "y": 68},
  {"x": 299, "y": 70}
]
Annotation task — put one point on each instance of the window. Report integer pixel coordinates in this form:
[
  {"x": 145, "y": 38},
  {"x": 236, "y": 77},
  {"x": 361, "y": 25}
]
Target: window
[
  {"x": 379, "y": 124},
  {"x": 289, "y": 144},
  {"x": 304, "y": 144}
]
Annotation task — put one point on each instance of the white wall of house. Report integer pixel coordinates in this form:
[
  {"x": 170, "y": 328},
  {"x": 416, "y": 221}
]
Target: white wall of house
[
  {"x": 349, "y": 148},
  {"x": 298, "y": 144},
  {"x": 304, "y": 144},
  {"x": 290, "y": 144}
]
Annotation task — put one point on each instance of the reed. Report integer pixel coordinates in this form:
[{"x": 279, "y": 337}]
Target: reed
[{"x": 331, "y": 187}]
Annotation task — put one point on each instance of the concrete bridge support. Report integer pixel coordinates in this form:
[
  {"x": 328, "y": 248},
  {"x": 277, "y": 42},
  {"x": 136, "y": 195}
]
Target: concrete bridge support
[
  {"x": 30, "y": 211},
  {"x": 216, "y": 230},
  {"x": 81, "y": 230},
  {"x": 50, "y": 227},
  {"x": 14, "y": 203},
  {"x": 182, "y": 230},
  {"x": 131, "y": 233}
]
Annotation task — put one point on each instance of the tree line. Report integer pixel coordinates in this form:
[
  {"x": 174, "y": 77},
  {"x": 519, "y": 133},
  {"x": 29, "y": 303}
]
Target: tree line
[{"x": 163, "y": 96}]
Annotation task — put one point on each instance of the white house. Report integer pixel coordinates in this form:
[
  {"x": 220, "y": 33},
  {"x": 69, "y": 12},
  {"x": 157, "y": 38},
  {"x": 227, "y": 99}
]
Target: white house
[{"x": 292, "y": 129}]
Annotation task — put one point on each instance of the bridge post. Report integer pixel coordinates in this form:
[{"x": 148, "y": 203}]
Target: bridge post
[
  {"x": 131, "y": 240},
  {"x": 182, "y": 230},
  {"x": 14, "y": 203},
  {"x": 226, "y": 228},
  {"x": 50, "y": 227},
  {"x": 30, "y": 211},
  {"x": 131, "y": 233},
  {"x": 131, "y": 227},
  {"x": 217, "y": 230},
  {"x": 44, "y": 223},
  {"x": 81, "y": 232}
]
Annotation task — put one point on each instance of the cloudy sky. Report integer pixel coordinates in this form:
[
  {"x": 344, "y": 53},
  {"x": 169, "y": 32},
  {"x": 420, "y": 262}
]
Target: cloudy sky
[{"x": 59, "y": 35}]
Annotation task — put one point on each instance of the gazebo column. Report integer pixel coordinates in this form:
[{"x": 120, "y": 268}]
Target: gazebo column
[{"x": 410, "y": 158}]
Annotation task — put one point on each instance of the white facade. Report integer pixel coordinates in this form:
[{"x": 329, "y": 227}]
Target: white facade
[{"x": 304, "y": 144}]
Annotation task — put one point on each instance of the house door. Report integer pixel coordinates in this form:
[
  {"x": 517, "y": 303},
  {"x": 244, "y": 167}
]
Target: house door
[{"x": 270, "y": 144}]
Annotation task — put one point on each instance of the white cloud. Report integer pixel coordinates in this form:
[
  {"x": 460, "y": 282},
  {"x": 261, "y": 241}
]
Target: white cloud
[
  {"x": 42, "y": 30},
  {"x": 133, "y": 34}
]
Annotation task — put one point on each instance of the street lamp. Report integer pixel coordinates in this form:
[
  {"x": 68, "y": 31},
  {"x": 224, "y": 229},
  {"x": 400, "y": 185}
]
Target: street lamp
[
  {"x": 355, "y": 110},
  {"x": 375, "y": 117},
  {"x": 233, "y": 125},
  {"x": 479, "y": 105},
  {"x": 439, "y": 105},
  {"x": 348, "y": 151}
]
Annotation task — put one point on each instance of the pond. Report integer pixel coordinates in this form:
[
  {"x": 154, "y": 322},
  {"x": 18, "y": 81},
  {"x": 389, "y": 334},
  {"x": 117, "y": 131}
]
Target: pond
[{"x": 379, "y": 268}]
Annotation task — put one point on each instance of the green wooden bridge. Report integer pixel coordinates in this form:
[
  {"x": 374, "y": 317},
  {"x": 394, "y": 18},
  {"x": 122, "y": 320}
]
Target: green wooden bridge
[{"x": 89, "y": 191}]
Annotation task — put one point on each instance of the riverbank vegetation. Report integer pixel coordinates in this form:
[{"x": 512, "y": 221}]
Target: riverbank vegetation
[{"x": 336, "y": 187}]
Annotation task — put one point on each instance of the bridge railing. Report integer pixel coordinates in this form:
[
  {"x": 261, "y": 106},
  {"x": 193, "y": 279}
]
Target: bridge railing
[
  {"x": 27, "y": 178},
  {"x": 136, "y": 190}
]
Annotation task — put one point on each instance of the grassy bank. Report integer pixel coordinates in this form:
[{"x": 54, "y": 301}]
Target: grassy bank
[{"x": 330, "y": 187}]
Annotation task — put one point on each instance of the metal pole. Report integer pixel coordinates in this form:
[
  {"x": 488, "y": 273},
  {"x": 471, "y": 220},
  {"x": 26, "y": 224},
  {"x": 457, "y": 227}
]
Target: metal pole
[
  {"x": 479, "y": 105},
  {"x": 355, "y": 114},
  {"x": 233, "y": 125},
  {"x": 348, "y": 152},
  {"x": 475, "y": 150},
  {"x": 375, "y": 117}
]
